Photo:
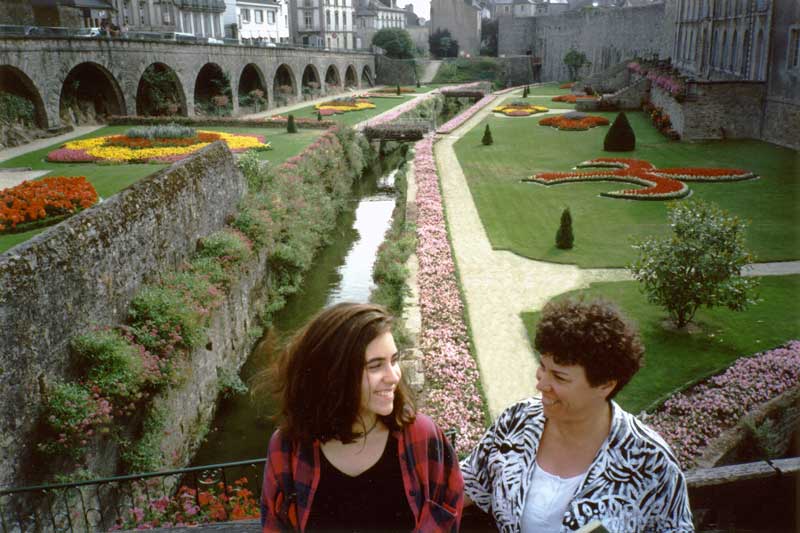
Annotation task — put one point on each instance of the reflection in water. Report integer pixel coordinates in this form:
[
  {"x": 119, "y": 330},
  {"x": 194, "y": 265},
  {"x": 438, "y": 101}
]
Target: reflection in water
[{"x": 342, "y": 271}]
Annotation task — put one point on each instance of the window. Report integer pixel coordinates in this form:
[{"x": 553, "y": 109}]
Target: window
[
  {"x": 327, "y": 18},
  {"x": 270, "y": 17},
  {"x": 336, "y": 15},
  {"x": 245, "y": 15},
  {"x": 794, "y": 48},
  {"x": 259, "y": 15}
]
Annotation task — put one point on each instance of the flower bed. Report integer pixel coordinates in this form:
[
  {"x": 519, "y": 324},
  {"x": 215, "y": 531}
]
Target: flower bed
[
  {"x": 572, "y": 98},
  {"x": 275, "y": 121},
  {"x": 691, "y": 419},
  {"x": 47, "y": 198},
  {"x": 343, "y": 105},
  {"x": 574, "y": 121},
  {"x": 660, "y": 120},
  {"x": 453, "y": 398},
  {"x": 519, "y": 109},
  {"x": 141, "y": 150},
  {"x": 393, "y": 90},
  {"x": 569, "y": 85},
  {"x": 465, "y": 115},
  {"x": 659, "y": 184}
]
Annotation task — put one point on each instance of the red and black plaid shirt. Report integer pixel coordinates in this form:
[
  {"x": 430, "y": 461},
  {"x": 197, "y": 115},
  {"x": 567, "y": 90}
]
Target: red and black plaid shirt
[{"x": 433, "y": 483}]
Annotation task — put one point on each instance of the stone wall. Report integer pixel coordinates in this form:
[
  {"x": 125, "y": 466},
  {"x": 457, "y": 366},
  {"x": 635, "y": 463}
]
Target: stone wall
[
  {"x": 721, "y": 110},
  {"x": 632, "y": 96},
  {"x": 672, "y": 107},
  {"x": 84, "y": 272},
  {"x": 16, "y": 12},
  {"x": 420, "y": 35},
  {"x": 463, "y": 21},
  {"x": 605, "y": 35},
  {"x": 390, "y": 71},
  {"x": 782, "y": 110}
]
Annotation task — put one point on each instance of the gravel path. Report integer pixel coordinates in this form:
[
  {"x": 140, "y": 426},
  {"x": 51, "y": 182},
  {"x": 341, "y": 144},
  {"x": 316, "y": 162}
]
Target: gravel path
[{"x": 499, "y": 285}]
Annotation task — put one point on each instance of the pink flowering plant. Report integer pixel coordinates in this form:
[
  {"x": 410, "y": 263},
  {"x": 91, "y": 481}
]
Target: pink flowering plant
[
  {"x": 690, "y": 420},
  {"x": 452, "y": 397},
  {"x": 464, "y": 116}
]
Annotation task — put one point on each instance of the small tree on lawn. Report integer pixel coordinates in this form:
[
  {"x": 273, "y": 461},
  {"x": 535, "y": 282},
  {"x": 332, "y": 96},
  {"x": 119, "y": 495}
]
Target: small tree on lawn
[
  {"x": 319, "y": 115},
  {"x": 291, "y": 127},
  {"x": 564, "y": 236},
  {"x": 397, "y": 90},
  {"x": 700, "y": 265},
  {"x": 620, "y": 136},
  {"x": 574, "y": 61},
  {"x": 525, "y": 92},
  {"x": 487, "y": 136}
]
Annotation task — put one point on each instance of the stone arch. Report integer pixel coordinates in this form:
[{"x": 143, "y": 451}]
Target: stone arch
[
  {"x": 366, "y": 76},
  {"x": 16, "y": 82},
  {"x": 332, "y": 79},
  {"x": 311, "y": 85},
  {"x": 211, "y": 84},
  {"x": 90, "y": 92},
  {"x": 160, "y": 92},
  {"x": 284, "y": 86},
  {"x": 252, "y": 79},
  {"x": 350, "y": 77}
]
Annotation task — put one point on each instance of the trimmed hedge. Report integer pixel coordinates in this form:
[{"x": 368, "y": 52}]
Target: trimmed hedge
[{"x": 620, "y": 136}]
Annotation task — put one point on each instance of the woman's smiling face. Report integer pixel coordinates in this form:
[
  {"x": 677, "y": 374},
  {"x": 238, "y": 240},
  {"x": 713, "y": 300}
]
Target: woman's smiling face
[
  {"x": 566, "y": 393},
  {"x": 380, "y": 378}
]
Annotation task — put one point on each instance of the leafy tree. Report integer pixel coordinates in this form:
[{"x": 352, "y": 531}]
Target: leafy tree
[
  {"x": 489, "y": 37},
  {"x": 487, "y": 136},
  {"x": 620, "y": 136},
  {"x": 396, "y": 41},
  {"x": 442, "y": 44},
  {"x": 575, "y": 61},
  {"x": 564, "y": 236},
  {"x": 700, "y": 265},
  {"x": 291, "y": 127}
]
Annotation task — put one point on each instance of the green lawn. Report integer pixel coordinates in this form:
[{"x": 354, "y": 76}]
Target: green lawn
[
  {"x": 353, "y": 117},
  {"x": 110, "y": 179},
  {"x": 524, "y": 217},
  {"x": 676, "y": 359}
]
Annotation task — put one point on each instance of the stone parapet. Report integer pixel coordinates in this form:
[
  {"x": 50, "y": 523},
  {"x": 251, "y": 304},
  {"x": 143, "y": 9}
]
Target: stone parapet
[{"x": 85, "y": 271}]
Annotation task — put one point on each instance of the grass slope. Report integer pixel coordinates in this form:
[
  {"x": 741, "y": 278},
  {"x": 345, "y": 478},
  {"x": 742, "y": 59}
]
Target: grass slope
[
  {"x": 675, "y": 359},
  {"x": 523, "y": 217}
]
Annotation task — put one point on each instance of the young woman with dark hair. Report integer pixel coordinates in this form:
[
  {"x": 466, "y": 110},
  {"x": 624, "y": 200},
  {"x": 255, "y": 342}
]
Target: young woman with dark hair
[{"x": 351, "y": 453}]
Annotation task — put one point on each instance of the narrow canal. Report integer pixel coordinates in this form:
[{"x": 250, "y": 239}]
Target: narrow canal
[{"x": 342, "y": 271}]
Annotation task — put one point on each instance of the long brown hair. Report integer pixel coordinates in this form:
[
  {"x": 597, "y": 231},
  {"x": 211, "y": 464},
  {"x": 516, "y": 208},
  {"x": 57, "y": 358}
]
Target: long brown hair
[{"x": 317, "y": 378}]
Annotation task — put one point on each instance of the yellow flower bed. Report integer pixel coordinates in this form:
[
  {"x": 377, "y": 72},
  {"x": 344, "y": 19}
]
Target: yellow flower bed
[
  {"x": 519, "y": 110},
  {"x": 94, "y": 147},
  {"x": 343, "y": 107}
]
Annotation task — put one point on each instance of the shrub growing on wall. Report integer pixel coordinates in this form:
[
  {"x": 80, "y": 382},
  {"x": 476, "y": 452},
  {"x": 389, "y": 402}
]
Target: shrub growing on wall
[{"x": 620, "y": 136}]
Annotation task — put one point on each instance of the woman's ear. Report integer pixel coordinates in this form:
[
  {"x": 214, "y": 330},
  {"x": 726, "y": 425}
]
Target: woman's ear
[{"x": 607, "y": 387}]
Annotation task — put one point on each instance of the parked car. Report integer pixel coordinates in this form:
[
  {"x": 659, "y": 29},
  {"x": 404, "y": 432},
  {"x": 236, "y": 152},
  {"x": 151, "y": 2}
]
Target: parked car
[{"x": 89, "y": 32}]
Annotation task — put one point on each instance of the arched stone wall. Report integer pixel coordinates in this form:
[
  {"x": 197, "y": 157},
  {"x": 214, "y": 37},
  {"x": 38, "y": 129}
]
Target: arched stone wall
[
  {"x": 14, "y": 81},
  {"x": 81, "y": 84},
  {"x": 284, "y": 76},
  {"x": 332, "y": 79},
  {"x": 211, "y": 83},
  {"x": 351, "y": 79},
  {"x": 250, "y": 79},
  {"x": 142, "y": 91},
  {"x": 367, "y": 76}
]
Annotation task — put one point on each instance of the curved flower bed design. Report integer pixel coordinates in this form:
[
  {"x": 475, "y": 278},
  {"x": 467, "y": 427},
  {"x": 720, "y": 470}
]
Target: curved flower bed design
[
  {"x": 574, "y": 121},
  {"x": 465, "y": 115},
  {"x": 691, "y": 419},
  {"x": 34, "y": 201},
  {"x": 568, "y": 85},
  {"x": 453, "y": 398},
  {"x": 519, "y": 109},
  {"x": 572, "y": 98},
  {"x": 137, "y": 150},
  {"x": 660, "y": 184},
  {"x": 343, "y": 105}
]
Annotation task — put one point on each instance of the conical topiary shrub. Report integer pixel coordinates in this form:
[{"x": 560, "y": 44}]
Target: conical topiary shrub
[
  {"x": 397, "y": 91},
  {"x": 525, "y": 92},
  {"x": 487, "y": 136},
  {"x": 620, "y": 136},
  {"x": 319, "y": 115},
  {"x": 564, "y": 236},
  {"x": 291, "y": 127}
]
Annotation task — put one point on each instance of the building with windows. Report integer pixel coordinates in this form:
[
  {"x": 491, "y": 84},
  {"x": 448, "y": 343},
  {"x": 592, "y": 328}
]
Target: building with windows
[
  {"x": 539, "y": 8},
  {"x": 323, "y": 23},
  {"x": 374, "y": 15},
  {"x": 197, "y": 17},
  {"x": 262, "y": 21}
]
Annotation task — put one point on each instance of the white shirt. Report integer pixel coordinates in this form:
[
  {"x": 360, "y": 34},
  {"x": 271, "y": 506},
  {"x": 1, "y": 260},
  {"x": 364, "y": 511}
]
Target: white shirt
[{"x": 547, "y": 501}]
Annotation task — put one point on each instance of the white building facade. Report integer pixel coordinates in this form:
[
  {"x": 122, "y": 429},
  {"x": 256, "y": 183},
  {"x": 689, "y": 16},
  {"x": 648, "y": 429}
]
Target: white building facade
[
  {"x": 323, "y": 23},
  {"x": 263, "y": 21},
  {"x": 203, "y": 18}
]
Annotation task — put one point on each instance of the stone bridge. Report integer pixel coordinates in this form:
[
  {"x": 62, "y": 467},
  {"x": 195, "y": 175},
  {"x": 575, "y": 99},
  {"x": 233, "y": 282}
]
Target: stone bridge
[{"x": 110, "y": 73}]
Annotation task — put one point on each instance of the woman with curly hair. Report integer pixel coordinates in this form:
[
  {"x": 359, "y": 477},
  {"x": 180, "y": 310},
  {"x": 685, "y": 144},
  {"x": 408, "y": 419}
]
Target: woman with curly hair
[
  {"x": 558, "y": 462},
  {"x": 351, "y": 453}
]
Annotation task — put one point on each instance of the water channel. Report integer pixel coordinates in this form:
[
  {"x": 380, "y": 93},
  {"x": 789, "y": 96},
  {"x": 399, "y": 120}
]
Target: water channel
[{"x": 342, "y": 271}]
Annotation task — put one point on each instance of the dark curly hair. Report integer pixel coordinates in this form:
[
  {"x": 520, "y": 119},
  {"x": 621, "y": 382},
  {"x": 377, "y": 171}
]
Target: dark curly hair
[
  {"x": 593, "y": 334},
  {"x": 317, "y": 379}
]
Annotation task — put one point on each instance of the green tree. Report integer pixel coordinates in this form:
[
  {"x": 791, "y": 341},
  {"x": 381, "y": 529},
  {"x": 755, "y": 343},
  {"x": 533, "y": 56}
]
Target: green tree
[
  {"x": 699, "y": 265},
  {"x": 487, "y": 136},
  {"x": 564, "y": 236},
  {"x": 489, "y": 37},
  {"x": 620, "y": 137},
  {"x": 575, "y": 61},
  {"x": 396, "y": 41},
  {"x": 291, "y": 127},
  {"x": 442, "y": 44}
]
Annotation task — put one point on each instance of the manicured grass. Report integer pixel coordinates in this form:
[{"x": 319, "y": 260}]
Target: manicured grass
[
  {"x": 674, "y": 359},
  {"x": 354, "y": 117},
  {"x": 524, "y": 217},
  {"x": 550, "y": 89},
  {"x": 110, "y": 179}
]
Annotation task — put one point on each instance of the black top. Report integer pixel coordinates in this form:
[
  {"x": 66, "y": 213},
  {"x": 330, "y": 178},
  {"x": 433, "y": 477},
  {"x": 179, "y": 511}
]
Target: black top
[{"x": 374, "y": 500}]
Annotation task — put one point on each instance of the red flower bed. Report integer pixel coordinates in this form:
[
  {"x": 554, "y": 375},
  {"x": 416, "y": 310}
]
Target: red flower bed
[
  {"x": 566, "y": 123},
  {"x": 141, "y": 142},
  {"x": 572, "y": 98},
  {"x": 65, "y": 155},
  {"x": 660, "y": 184},
  {"x": 569, "y": 85},
  {"x": 32, "y": 201}
]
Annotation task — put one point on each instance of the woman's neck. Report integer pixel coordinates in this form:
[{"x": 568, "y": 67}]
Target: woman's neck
[{"x": 593, "y": 426}]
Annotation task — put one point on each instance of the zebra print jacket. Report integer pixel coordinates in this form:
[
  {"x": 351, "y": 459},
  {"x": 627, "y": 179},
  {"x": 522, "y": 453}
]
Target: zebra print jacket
[{"x": 634, "y": 484}]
